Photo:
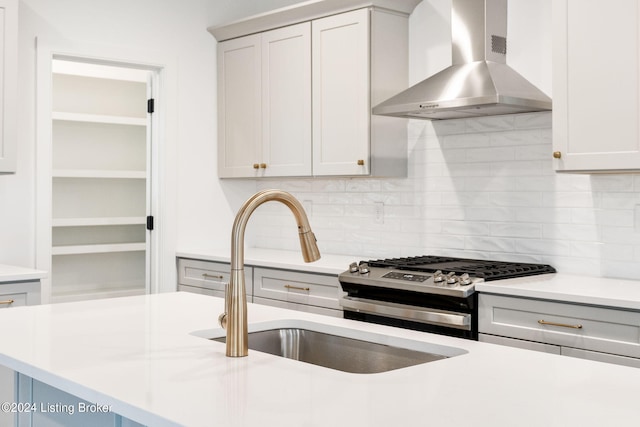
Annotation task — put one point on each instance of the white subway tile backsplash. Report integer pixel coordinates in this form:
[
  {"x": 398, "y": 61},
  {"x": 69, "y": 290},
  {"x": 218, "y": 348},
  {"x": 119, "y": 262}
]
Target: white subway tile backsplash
[
  {"x": 490, "y": 124},
  {"x": 477, "y": 188}
]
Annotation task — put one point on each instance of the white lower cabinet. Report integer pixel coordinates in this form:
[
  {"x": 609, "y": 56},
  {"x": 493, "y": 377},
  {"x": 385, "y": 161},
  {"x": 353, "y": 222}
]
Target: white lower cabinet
[
  {"x": 296, "y": 290},
  {"x": 14, "y": 294},
  {"x": 42, "y": 405},
  {"x": 319, "y": 293},
  {"x": 209, "y": 278},
  {"x": 604, "y": 334}
]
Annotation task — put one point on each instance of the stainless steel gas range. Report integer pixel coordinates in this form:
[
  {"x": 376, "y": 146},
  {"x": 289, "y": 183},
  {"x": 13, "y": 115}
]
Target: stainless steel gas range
[{"x": 427, "y": 293}]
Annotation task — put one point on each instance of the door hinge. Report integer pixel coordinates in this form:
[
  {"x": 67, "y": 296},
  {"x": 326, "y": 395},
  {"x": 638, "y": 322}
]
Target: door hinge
[
  {"x": 150, "y": 105},
  {"x": 150, "y": 223}
]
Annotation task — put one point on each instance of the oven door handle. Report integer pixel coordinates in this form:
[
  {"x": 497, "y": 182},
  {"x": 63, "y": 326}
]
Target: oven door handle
[{"x": 430, "y": 316}]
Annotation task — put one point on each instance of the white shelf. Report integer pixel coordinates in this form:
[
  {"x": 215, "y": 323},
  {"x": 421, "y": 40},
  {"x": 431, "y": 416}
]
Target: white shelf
[
  {"x": 88, "y": 222},
  {"x": 97, "y": 249},
  {"x": 96, "y": 118},
  {"x": 90, "y": 173}
]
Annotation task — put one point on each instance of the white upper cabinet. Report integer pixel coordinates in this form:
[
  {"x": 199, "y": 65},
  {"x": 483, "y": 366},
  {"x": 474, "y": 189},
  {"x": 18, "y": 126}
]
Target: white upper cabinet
[
  {"x": 286, "y": 101},
  {"x": 239, "y": 107},
  {"x": 9, "y": 81},
  {"x": 296, "y": 100},
  {"x": 341, "y": 109},
  {"x": 264, "y": 104},
  {"x": 596, "y": 85}
]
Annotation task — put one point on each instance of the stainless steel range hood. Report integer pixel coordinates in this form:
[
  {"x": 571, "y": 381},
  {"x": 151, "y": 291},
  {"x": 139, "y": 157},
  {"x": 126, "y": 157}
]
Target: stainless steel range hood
[{"x": 479, "y": 83}]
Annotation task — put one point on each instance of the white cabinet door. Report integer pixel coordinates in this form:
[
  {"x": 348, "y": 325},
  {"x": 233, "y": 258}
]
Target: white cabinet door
[
  {"x": 264, "y": 104},
  {"x": 286, "y": 101},
  {"x": 239, "y": 107},
  {"x": 596, "y": 85},
  {"x": 341, "y": 84},
  {"x": 9, "y": 80}
]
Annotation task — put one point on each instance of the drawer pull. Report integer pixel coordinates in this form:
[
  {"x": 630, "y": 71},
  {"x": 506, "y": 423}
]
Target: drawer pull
[
  {"x": 297, "y": 288},
  {"x": 211, "y": 276},
  {"x": 562, "y": 325},
  {"x": 7, "y": 302}
]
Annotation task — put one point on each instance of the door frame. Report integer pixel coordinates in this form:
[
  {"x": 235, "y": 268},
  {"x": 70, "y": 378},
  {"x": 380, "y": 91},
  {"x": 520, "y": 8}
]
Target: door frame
[{"x": 159, "y": 250}]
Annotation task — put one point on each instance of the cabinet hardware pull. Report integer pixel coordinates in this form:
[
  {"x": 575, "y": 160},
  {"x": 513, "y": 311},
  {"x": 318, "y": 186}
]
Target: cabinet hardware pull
[
  {"x": 562, "y": 325},
  {"x": 256, "y": 166},
  {"x": 263, "y": 165},
  {"x": 360, "y": 162},
  {"x": 211, "y": 276},
  {"x": 7, "y": 302},
  {"x": 557, "y": 155},
  {"x": 298, "y": 288}
]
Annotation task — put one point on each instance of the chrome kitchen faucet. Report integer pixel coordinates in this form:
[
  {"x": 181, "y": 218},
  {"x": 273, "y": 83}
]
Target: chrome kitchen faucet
[{"x": 234, "y": 319}]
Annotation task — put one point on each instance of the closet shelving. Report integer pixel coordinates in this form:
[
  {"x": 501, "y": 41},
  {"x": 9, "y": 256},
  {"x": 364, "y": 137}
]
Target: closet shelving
[{"x": 99, "y": 181}]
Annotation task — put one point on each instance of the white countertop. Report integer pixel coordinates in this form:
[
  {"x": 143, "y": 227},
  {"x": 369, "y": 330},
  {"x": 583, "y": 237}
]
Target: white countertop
[
  {"x": 10, "y": 273},
  {"x": 618, "y": 293},
  {"x": 273, "y": 258},
  {"x": 138, "y": 355}
]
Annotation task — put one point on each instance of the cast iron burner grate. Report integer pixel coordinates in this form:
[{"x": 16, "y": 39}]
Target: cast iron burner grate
[{"x": 488, "y": 270}]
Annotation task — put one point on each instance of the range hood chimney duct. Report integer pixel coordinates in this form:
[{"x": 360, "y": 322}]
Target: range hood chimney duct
[{"x": 479, "y": 82}]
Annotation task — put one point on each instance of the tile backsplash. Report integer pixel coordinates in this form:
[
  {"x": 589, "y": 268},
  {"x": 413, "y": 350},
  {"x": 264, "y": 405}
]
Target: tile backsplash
[{"x": 477, "y": 188}]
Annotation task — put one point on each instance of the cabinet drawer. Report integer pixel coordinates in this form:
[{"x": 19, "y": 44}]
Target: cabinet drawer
[
  {"x": 8, "y": 300},
  {"x": 295, "y": 287},
  {"x": 579, "y": 326},
  {"x": 208, "y": 274}
]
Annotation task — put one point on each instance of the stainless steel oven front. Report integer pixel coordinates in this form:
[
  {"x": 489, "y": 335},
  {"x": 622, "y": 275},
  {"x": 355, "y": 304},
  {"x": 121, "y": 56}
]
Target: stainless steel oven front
[{"x": 426, "y": 293}]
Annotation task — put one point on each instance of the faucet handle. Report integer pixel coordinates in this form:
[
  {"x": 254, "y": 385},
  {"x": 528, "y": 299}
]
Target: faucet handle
[{"x": 222, "y": 320}]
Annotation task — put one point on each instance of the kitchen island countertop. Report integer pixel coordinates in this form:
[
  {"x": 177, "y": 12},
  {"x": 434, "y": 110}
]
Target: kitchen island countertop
[{"x": 138, "y": 355}]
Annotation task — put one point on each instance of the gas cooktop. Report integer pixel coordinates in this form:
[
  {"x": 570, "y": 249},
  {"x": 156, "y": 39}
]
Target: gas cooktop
[
  {"x": 485, "y": 269},
  {"x": 434, "y": 274}
]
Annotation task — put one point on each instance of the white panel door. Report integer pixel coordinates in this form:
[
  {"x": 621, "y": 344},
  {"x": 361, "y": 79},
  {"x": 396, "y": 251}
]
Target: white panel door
[
  {"x": 341, "y": 94},
  {"x": 239, "y": 107},
  {"x": 596, "y": 111},
  {"x": 286, "y": 101}
]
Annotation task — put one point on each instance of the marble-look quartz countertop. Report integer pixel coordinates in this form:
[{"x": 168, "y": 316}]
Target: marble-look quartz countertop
[{"x": 143, "y": 356}]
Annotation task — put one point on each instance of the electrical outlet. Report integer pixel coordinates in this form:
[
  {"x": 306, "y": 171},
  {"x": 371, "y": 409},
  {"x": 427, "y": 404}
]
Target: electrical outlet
[{"x": 378, "y": 217}]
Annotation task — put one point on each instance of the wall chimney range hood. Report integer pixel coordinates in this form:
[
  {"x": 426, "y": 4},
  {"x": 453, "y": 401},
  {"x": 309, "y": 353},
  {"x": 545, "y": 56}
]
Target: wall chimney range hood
[{"x": 479, "y": 82}]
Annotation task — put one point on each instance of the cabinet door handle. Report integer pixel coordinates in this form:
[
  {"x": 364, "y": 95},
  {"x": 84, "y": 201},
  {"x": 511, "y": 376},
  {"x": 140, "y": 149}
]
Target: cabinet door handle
[
  {"x": 263, "y": 165},
  {"x": 557, "y": 155},
  {"x": 6, "y": 302},
  {"x": 256, "y": 166},
  {"x": 297, "y": 288},
  {"x": 211, "y": 276},
  {"x": 360, "y": 162},
  {"x": 562, "y": 325}
]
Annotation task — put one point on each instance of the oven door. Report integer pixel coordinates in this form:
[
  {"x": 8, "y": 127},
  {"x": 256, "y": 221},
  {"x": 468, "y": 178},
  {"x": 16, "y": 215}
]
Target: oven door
[{"x": 458, "y": 324}]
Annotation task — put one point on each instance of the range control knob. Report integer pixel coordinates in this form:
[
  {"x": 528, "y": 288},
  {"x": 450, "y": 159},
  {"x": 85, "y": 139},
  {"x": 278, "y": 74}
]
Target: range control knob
[
  {"x": 452, "y": 279},
  {"x": 438, "y": 277},
  {"x": 353, "y": 267},
  {"x": 465, "y": 279},
  {"x": 363, "y": 268}
]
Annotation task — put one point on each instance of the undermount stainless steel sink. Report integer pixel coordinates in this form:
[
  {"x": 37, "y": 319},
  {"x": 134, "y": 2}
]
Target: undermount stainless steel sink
[{"x": 340, "y": 352}]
